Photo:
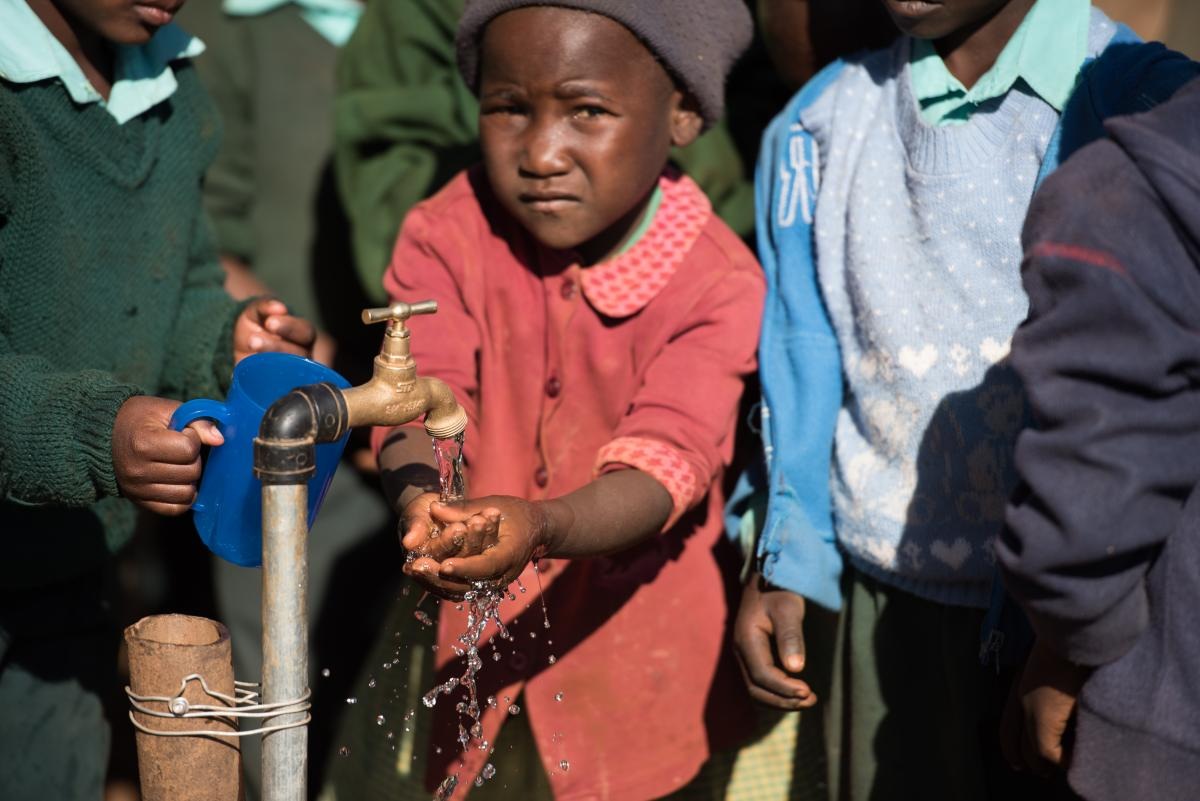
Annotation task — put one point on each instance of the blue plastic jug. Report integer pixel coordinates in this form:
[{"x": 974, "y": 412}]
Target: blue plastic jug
[{"x": 228, "y": 508}]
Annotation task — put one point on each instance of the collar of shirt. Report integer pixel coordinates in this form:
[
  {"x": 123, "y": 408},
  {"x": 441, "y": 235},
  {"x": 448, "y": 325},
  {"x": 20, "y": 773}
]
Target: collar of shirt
[
  {"x": 335, "y": 20},
  {"x": 1046, "y": 52},
  {"x": 143, "y": 75},
  {"x": 623, "y": 285}
]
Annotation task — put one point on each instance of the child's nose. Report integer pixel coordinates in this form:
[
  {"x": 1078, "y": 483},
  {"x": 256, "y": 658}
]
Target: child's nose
[{"x": 545, "y": 152}]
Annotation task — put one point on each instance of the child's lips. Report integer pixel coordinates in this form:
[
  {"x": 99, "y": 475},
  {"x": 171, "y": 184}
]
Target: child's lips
[
  {"x": 153, "y": 14},
  {"x": 913, "y": 8},
  {"x": 548, "y": 202}
]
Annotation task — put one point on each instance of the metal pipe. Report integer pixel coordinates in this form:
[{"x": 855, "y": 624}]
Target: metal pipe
[
  {"x": 284, "y": 460},
  {"x": 285, "y": 637}
]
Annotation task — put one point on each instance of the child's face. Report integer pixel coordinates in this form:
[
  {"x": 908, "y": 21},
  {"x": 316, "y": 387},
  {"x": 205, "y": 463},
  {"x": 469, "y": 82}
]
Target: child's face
[
  {"x": 577, "y": 119},
  {"x": 130, "y": 22},
  {"x": 936, "y": 19}
]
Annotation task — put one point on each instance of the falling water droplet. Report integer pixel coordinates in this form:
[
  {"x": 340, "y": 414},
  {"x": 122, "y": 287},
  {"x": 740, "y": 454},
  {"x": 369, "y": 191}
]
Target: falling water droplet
[
  {"x": 422, "y": 618},
  {"x": 352, "y": 700},
  {"x": 489, "y": 770},
  {"x": 514, "y": 709},
  {"x": 379, "y": 720},
  {"x": 553, "y": 659},
  {"x": 558, "y": 696},
  {"x": 371, "y": 682},
  {"x": 344, "y": 751},
  {"x": 565, "y": 765},
  {"x": 446, "y": 788},
  {"x": 325, "y": 672}
]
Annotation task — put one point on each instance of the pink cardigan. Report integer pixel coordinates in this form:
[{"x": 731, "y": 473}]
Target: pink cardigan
[{"x": 565, "y": 373}]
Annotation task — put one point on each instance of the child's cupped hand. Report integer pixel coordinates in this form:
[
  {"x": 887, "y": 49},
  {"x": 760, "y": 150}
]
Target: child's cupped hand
[
  {"x": 265, "y": 325},
  {"x": 456, "y": 544}
]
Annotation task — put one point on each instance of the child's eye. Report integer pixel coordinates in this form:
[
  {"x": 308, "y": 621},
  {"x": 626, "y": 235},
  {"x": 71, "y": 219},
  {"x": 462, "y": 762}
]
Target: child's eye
[{"x": 590, "y": 112}]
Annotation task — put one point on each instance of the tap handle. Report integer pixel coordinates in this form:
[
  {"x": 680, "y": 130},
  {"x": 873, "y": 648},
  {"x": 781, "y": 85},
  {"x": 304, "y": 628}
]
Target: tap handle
[{"x": 399, "y": 312}]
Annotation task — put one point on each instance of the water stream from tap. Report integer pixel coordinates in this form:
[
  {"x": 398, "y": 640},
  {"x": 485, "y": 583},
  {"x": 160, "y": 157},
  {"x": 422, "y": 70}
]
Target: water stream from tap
[
  {"x": 448, "y": 456},
  {"x": 482, "y": 604}
]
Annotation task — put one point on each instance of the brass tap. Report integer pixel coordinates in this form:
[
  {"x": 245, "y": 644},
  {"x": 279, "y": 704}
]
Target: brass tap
[{"x": 395, "y": 395}]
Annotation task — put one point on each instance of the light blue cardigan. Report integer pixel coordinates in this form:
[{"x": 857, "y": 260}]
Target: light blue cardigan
[{"x": 799, "y": 362}]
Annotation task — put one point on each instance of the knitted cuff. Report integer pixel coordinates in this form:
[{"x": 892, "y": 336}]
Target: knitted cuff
[
  {"x": 94, "y": 418},
  {"x": 664, "y": 463}
]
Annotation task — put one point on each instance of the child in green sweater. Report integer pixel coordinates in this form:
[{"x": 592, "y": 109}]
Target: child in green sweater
[{"x": 110, "y": 303}]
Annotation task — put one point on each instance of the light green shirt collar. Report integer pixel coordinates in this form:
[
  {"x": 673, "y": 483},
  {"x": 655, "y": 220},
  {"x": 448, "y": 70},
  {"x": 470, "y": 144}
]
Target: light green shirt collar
[
  {"x": 1046, "y": 52},
  {"x": 333, "y": 19},
  {"x": 143, "y": 75}
]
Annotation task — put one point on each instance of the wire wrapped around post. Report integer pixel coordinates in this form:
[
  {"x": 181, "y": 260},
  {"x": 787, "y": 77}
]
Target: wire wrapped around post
[{"x": 204, "y": 764}]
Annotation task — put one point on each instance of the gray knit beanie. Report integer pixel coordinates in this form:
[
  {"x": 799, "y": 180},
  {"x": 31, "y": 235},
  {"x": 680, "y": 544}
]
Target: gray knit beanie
[{"x": 697, "y": 41}]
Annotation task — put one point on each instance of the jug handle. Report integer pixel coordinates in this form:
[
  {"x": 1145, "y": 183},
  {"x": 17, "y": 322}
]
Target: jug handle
[{"x": 202, "y": 409}]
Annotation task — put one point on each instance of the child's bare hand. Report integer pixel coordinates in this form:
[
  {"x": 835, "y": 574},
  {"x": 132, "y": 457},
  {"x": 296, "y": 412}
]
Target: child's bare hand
[
  {"x": 769, "y": 622},
  {"x": 433, "y": 531},
  {"x": 265, "y": 325},
  {"x": 514, "y": 532},
  {"x": 155, "y": 467},
  {"x": 1040, "y": 710}
]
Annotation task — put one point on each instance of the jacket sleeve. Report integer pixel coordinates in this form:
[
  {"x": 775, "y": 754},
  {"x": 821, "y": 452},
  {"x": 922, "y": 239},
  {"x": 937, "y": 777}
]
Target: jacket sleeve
[
  {"x": 1111, "y": 364},
  {"x": 200, "y": 355},
  {"x": 405, "y": 123},
  {"x": 799, "y": 364}
]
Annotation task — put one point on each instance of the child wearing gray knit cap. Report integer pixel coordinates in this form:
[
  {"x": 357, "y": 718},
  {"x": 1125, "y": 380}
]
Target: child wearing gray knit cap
[
  {"x": 696, "y": 41},
  {"x": 598, "y": 321}
]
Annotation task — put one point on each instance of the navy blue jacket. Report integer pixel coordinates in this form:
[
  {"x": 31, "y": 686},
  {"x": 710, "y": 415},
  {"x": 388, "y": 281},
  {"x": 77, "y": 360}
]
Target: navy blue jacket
[{"x": 1102, "y": 546}]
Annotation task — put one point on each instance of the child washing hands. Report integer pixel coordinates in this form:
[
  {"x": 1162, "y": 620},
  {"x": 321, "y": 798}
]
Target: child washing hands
[
  {"x": 495, "y": 538},
  {"x": 596, "y": 321}
]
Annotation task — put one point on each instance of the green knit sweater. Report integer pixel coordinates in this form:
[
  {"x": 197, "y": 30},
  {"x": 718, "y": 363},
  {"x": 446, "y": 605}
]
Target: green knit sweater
[{"x": 109, "y": 287}]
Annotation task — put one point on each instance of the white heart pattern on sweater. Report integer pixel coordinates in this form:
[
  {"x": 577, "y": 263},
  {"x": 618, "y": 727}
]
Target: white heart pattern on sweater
[
  {"x": 955, "y": 554},
  {"x": 918, "y": 362}
]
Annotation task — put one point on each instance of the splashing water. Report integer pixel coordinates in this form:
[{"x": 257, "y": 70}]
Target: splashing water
[
  {"x": 446, "y": 788},
  {"x": 448, "y": 456}
]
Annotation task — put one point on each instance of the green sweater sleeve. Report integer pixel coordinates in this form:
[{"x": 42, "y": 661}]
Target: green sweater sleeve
[
  {"x": 405, "y": 123},
  {"x": 56, "y": 431},
  {"x": 55, "y": 424},
  {"x": 200, "y": 352}
]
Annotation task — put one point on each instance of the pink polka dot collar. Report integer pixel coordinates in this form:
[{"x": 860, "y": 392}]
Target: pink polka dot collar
[{"x": 623, "y": 286}]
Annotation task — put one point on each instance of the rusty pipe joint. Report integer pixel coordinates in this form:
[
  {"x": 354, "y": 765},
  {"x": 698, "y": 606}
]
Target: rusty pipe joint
[{"x": 284, "y": 450}]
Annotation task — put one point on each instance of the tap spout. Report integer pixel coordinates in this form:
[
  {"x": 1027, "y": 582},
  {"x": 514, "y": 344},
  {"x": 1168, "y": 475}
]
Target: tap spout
[
  {"x": 395, "y": 395},
  {"x": 384, "y": 402}
]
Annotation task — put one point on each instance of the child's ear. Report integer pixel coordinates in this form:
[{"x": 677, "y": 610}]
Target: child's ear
[{"x": 686, "y": 121}]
